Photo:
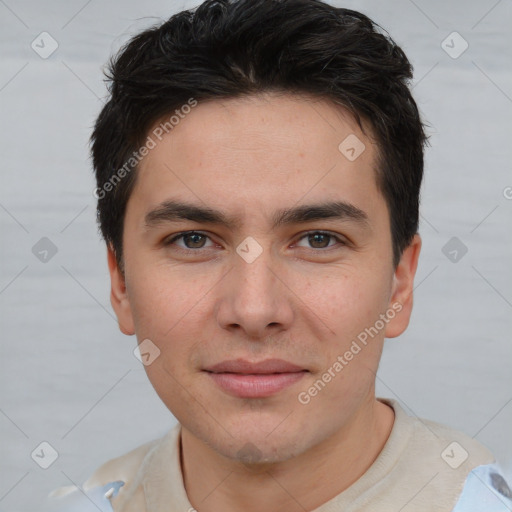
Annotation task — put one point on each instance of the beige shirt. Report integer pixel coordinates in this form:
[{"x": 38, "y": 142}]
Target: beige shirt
[{"x": 422, "y": 468}]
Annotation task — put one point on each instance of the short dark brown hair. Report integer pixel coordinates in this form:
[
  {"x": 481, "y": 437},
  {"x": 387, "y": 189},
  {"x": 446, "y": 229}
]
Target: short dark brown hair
[{"x": 233, "y": 48}]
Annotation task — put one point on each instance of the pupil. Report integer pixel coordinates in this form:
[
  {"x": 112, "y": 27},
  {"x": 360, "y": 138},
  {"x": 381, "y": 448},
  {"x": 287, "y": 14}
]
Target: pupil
[
  {"x": 318, "y": 238},
  {"x": 194, "y": 237}
]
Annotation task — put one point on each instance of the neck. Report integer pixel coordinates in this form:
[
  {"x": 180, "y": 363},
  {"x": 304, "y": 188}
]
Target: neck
[{"x": 305, "y": 482}]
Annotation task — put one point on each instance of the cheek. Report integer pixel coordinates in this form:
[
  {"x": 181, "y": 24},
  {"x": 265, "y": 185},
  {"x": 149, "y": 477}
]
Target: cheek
[
  {"x": 346, "y": 301},
  {"x": 163, "y": 298}
]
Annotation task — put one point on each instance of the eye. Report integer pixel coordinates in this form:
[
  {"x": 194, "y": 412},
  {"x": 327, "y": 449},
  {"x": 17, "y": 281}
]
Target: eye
[
  {"x": 191, "y": 239},
  {"x": 320, "y": 239},
  {"x": 194, "y": 241}
]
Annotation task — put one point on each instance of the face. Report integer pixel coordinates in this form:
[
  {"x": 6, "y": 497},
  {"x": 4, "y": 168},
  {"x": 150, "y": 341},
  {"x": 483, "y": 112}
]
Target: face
[{"x": 270, "y": 316}]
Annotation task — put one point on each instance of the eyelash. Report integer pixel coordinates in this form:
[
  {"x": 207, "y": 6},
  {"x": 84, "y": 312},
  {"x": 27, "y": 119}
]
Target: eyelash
[{"x": 305, "y": 235}]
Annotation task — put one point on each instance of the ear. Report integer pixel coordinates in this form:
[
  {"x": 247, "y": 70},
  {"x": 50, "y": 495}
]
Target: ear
[
  {"x": 118, "y": 296},
  {"x": 402, "y": 289}
]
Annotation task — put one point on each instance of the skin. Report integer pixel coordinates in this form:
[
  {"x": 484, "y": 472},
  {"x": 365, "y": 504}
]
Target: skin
[{"x": 301, "y": 300}]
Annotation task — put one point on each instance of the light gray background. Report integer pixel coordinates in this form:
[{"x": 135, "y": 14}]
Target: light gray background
[{"x": 69, "y": 377}]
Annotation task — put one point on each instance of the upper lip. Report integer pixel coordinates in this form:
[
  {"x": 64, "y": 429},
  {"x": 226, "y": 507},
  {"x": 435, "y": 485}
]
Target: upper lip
[{"x": 263, "y": 367}]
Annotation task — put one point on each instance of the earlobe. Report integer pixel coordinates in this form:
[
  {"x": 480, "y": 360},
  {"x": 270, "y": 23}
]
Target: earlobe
[
  {"x": 118, "y": 295},
  {"x": 402, "y": 289}
]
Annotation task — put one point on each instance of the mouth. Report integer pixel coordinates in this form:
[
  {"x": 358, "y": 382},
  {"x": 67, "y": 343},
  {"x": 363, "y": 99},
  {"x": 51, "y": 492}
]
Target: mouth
[{"x": 244, "y": 379}]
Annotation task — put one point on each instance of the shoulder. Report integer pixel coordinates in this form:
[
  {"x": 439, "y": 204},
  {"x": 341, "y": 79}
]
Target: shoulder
[
  {"x": 121, "y": 468},
  {"x": 105, "y": 482},
  {"x": 74, "y": 499},
  {"x": 456, "y": 447},
  {"x": 435, "y": 442},
  {"x": 435, "y": 459}
]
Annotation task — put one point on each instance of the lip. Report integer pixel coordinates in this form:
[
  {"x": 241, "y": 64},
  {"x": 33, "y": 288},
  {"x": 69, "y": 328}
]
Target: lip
[
  {"x": 244, "y": 379},
  {"x": 243, "y": 366}
]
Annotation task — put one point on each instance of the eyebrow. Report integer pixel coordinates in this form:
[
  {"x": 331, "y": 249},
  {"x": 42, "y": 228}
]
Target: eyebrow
[{"x": 172, "y": 211}]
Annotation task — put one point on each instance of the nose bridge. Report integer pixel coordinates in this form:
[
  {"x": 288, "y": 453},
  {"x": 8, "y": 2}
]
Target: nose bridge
[
  {"x": 255, "y": 298},
  {"x": 254, "y": 276}
]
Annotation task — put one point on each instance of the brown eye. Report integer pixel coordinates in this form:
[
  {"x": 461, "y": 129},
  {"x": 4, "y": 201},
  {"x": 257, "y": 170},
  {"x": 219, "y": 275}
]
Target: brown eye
[
  {"x": 320, "y": 240},
  {"x": 191, "y": 240},
  {"x": 194, "y": 240}
]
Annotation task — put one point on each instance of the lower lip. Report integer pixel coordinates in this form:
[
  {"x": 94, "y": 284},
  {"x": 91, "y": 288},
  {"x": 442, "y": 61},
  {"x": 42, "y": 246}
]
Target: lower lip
[{"x": 255, "y": 385}]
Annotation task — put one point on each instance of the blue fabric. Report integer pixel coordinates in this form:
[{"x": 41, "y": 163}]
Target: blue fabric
[
  {"x": 485, "y": 490},
  {"x": 93, "y": 500}
]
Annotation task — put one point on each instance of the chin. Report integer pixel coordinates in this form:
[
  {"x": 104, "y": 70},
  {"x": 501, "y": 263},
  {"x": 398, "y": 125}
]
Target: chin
[
  {"x": 260, "y": 453},
  {"x": 256, "y": 447}
]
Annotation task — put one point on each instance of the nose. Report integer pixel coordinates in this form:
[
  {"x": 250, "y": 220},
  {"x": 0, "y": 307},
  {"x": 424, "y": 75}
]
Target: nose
[{"x": 255, "y": 298}]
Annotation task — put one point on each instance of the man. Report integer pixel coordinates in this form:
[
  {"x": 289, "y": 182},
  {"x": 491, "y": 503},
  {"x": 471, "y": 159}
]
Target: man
[{"x": 258, "y": 172}]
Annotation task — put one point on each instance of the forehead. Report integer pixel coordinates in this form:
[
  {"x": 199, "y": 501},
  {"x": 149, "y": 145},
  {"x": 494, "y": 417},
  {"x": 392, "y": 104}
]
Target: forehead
[
  {"x": 253, "y": 153},
  {"x": 260, "y": 122}
]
